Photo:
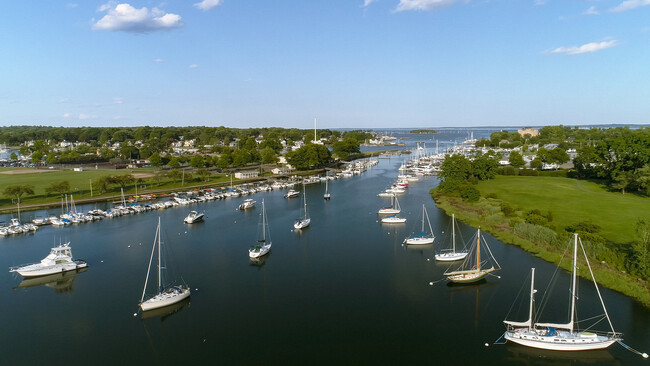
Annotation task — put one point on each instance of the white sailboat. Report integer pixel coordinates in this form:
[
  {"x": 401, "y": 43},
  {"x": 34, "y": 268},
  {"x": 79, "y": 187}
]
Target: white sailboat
[
  {"x": 264, "y": 244},
  {"x": 446, "y": 255},
  {"x": 166, "y": 295},
  {"x": 304, "y": 221},
  {"x": 562, "y": 336},
  {"x": 327, "y": 195},
  {"x": 393, "y": 209},
  {"x": 393, "y": 219},
  {"x": 422, "y": 238},
  {"x": 474, "y": 271}
]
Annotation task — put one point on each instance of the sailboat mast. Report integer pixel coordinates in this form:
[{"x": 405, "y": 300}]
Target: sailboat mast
[
  {"x": 478, "y": 250},
  {"x": 263, "y": 223},
  {"x": 422, "y": 219},
  {"x": 314, "y": 129},
  {"x": 573, "y": 281},
  {"x": 146, "y": 280},
  {"x": 532, "y": 297},
  {"x": 453, "y": 232},
  {"x": 159, "y": 279}
]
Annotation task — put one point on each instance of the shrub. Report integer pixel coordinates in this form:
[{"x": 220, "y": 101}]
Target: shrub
[
  {"x": 529, "y": 172},
  {"x": 537, "y": 234},
  {"x": 507, "y": 210},
  {"x": 469, "y": 193}
]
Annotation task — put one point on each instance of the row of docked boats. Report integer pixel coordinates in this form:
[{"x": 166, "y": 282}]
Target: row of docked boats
[{"x": 15, "y": 227}]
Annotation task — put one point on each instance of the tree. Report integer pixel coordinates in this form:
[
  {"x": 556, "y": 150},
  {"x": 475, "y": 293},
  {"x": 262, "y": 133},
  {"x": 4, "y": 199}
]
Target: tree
[
  {"x": 175, "y": 174},
  {"x": 536, "y": 163},
  {"x": 60, "y": 187},
  {"x": 155, "y": 160},
  {"x": 485, "y": 166},
  {"x": 622, "y": 180},
  {"x": 174, "y": 162},
  {"x": 123, "y": 179},
  {"x": 454, "y": 172},
  {"x": 641, "y": 249},
  {"x": 515, "y": 159},
  {"x": 343, "y": 149},
  {"x": 203, "y": 173},
  {"x": 19, "y": 190},
  {"x": 13, "y": 156},
  {"x": 643, "y": 178},
  {"x": 558, "y": 156},
  {"x": 310, "y": 156},
  {"x": 268, "y": 156},
  {"x": 197, "y": 161}
]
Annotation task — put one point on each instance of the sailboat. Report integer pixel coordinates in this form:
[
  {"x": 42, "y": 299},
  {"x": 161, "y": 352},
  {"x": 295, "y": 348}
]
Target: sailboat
[
  {"x": 264, "y": 244},
  {"x": 565, "y": 336},
  {"x": 453, "y": 255},
  {"x": 473, "y": 271},
  {"x": 327, "y": 195},
  {"x": 304, "y": 221},
  {"x": 393, "y": 209},
  {"x": 422, "y": 237},
  {"x": 168, "y": 295}
]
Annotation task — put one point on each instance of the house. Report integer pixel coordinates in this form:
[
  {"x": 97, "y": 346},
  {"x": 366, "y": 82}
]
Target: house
[
  {"x": 281, "y": 170},
  {"x": 247, "y": 174}
]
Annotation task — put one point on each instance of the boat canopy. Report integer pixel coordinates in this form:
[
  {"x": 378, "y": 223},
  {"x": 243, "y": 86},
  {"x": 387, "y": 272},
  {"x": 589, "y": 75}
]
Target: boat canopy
[
  {"x": 555, "y": 325},
  {"x": 418, "y": 235},
  {"x": 518, "y": 324}
]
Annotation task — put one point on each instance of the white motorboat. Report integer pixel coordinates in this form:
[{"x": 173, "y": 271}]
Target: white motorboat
[
  {"x": 386, "y": 194},
  {"x": 59, "y": 260},
  {"x": 166, "y": 294},
  {"x": 248, "y": 203},
  {"x": 394, "y": 208},
  {"x": 327, "y": 195},
  {"x": 263, "y": 245},
  {"x": 447, "y": 255},
  {"x": 563, "y": 336},
  {"x": 423, "y": 237},
  {"x": 291, "y": 194},
  {"x": 193, "y": 217},
  {"x": 304, "y": 220},
  {"x": 393, "y": 219}
]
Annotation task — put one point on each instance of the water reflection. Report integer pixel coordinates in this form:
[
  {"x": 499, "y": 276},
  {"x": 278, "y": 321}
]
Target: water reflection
[
  {"x": 532, "y": 356},
  {"x": 259, "y": 261},
  {"x": 167, "y": 311},
  {"x": 60, "y": 282}
]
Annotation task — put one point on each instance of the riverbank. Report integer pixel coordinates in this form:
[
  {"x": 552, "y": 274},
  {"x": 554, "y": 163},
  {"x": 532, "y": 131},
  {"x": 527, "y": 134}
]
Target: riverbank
[{"x": 606, "y": 275}]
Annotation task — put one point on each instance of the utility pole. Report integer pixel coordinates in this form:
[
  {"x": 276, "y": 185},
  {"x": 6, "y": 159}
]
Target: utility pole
[{"x": 91, "y": 188}]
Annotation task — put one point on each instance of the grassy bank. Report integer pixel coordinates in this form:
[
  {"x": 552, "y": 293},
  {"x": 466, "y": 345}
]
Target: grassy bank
[{"x": 570, "y": 201}]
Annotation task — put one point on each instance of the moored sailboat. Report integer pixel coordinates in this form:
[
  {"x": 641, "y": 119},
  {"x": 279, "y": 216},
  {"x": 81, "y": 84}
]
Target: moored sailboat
[
  {"x": 304, "y": 220},
  {"x": 422, "y": 238},
  {"x": 263, "y": 245},
  {"x": 474, "y": 271},
  {"x": 562, "y": 336},
  {"x": 451, "y": 255},
  {"x": 166, "y": 294}
]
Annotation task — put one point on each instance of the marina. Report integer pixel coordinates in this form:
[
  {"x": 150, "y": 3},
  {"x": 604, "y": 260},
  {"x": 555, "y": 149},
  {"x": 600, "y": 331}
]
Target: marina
[{"x": 347, "y": 289}]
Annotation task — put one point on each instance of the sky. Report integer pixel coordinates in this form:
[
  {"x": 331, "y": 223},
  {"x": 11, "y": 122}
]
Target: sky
[{"x": 347, "y": 63}]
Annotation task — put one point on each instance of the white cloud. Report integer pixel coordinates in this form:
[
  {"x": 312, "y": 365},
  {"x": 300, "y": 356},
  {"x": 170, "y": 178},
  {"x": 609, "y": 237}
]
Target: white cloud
[
  {"x": 86, "y": 116},
  {"x": 207, "y": 4},
  {"x": 118, "y": 100},
  {"x": 71, "y": 5},
  {"x": 159, "y": 60},
  {"x": 366, "y": 3},
  {"x": 124, "y": 17},
  {"x": 585, "y": 48},
  {"x": 591, "y": 11},
  {"x": 540, "y": 2},
  {"x": 66, "y": 115},
  {"x": 422, "y": 4},
  {"x": 629, "y": 5},
  {"x": 194, "y": 66}
]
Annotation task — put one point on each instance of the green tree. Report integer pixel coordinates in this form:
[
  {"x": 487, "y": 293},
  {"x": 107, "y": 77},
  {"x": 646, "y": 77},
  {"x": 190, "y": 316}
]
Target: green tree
[
  {"x": 18, "y": 191},
  {"x": 155, "y": 160},
  {"x": 174, "y": 162},
  {"x": 484, "y": 166},
  {"x": 516, "y": 159},
  {"x": 310, "y": 156},
  {"x": 343, "y": 149},
  {"x": 123, "y": 180},
  {"x": 268, "y": 156},
  {"x": 455, "y": 171},
  {"x": 622, "y": 180},
  {"x": 175, "y": 174},
  {"x": 197, "y": 161},
  {"x": 60, "y": 187},
  {"x": 643, "y": 178},
  {"x": 13, "y": 156},
  {"x": 203, "y": 173}
]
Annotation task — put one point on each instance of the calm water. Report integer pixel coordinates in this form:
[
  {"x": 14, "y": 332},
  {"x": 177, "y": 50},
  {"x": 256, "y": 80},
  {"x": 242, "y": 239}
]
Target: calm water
[{"x": 344, "y": 291}]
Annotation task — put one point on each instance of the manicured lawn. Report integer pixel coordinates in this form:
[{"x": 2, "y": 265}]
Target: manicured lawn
[{"x": 572, "y": 201}]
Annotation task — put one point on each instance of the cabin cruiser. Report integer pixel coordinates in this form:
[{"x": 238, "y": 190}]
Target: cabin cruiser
[
  {"x": 193, "y": 217},
  {"x": 59, "y": 260}
]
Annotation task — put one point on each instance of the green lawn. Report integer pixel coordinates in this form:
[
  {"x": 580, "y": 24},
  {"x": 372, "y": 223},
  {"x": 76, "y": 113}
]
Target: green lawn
[
  {"x": 80, "y": 183},
  {"x": 571, "y": 201}
]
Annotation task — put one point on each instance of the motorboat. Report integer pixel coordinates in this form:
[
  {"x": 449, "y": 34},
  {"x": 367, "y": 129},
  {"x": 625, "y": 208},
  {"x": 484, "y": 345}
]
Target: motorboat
[
  {"x": 248, "y": 203},
  {"x": 59, "y": 260},
  {"x": 193, "y": 217}
]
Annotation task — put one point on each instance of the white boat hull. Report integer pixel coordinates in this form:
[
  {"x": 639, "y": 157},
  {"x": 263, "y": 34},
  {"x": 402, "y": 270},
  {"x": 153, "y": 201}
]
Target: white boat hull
[
  {"x": 166, "y": 298},
  {"x": 36, "y": 270},
  {"x": 419, "y": 241},
  {"x": 563, "y": 341},
  {"x": 388, "y": 211},
  {"x": 301, "y": 224},
  {"x": 257, "y": 252},
  {"x": 450, "y": 256},
  {"x": 393, "y": 220}
]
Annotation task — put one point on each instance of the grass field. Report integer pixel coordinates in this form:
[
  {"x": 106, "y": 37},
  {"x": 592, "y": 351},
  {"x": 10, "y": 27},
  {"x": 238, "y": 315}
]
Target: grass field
[
  {"x": 572, "y": 201},
  {"x": 80, "y": 182}
]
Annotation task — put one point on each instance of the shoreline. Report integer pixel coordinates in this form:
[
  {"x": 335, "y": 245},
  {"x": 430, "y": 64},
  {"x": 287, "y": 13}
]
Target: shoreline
[{"x": 608, "y": 277}]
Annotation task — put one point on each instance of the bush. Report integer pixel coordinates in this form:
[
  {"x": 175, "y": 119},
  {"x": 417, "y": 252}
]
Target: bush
[
  {"x": 583, "y": 227},
  {"x": 529, "y": 172},
  {"x": 507, "y": 210},
  {"x": 507, "y": 170},
  {"x": 537, "y": 234},
  {"x": 491, "y": 195},
  {"x": 470, "y": 194}
]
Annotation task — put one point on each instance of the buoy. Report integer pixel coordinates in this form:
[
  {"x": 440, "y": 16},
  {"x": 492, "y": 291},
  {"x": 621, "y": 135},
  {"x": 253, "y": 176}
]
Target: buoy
[
  {"x": 101, "y": 261},
  {"x": 135, "y": 314},
  {"x": 129, "y": 246},
  {"x": 196, "y": 289},
  {"x": 428, "y": 259},
  {"x": 487, "y": 345},
  {"x": 430, "y": 283},
  {"x": 645, "y": 355}
]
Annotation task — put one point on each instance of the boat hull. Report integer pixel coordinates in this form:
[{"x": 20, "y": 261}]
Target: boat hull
[
  {"x": 393, "y": 220},
  {"x": 469, "y": 277},
  {"x": 301, "y": 224},
  {"x": 388, "y": 211},
  {"x": 450, "y": 256},
  {"x": 166, "y": 298},
  {"x": 565, "y": 341},
  {"x": 37, "y": 271},
  {"x": 419, "y": 241},
  {"x": 257, "y": 252}
]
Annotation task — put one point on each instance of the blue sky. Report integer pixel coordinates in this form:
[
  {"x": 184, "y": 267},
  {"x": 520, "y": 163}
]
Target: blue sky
[{"x": 350, "y": 63}]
